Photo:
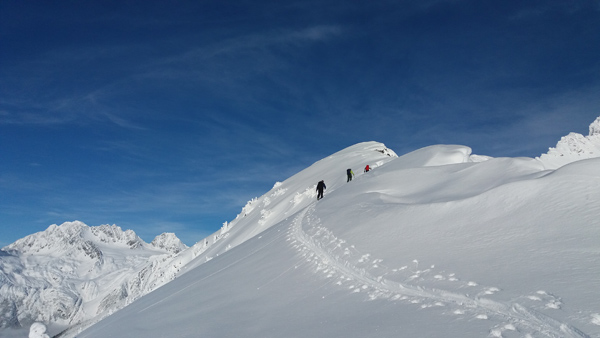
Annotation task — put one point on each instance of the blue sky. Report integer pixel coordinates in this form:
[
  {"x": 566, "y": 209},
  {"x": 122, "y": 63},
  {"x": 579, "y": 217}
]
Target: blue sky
[{"x": 167, "y": 116}]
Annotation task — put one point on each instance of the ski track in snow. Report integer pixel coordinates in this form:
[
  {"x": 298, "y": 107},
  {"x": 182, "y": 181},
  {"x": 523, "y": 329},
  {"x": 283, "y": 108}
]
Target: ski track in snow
[{"x": 359, "y": 272}]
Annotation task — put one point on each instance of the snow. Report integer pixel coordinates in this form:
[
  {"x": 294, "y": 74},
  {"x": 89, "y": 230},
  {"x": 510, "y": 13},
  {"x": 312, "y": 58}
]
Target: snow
[
  {"x": 72, "y": 273},
  {"x": 574, "y": 147},
  {"x": 169, "y": 242},
  {"x": 435, "y": 243},
  {"x": 438, "y": 242},
  {"x": 38, "y": 330}
]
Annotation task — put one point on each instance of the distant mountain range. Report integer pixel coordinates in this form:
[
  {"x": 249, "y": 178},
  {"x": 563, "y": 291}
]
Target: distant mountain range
[{"x": 71, "y": 273}]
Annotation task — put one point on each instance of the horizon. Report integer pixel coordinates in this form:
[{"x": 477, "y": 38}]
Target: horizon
[{"x": 162, "y": 118}]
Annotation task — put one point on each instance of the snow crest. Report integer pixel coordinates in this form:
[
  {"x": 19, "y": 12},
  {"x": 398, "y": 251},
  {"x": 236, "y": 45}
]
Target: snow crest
[{"x": 574, "y": 147}]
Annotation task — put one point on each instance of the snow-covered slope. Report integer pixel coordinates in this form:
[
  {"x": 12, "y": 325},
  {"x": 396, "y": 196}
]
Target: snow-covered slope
[
  {"x": 435, "y": 243},
  {"x": 71, "y": 273},
  {"x": 438, "y": 242}
]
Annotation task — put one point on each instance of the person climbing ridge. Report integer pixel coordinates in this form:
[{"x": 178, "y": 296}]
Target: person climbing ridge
[
  {"x": 350, "y": 174},
  {"x": 320, "y": 187}
]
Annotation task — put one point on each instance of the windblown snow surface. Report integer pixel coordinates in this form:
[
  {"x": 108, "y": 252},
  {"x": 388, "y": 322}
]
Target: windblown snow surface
[{"x": 435, "y": 243}]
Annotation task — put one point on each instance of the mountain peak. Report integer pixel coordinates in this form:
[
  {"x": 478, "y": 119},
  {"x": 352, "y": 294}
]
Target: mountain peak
[
  {"x": 114, "y": 234},
  {"x": 52, "y": 238},
  {"x": 75, "y": 236},
  {"x": 168, "y": 241},
  {"x": 595, "y": 127}
]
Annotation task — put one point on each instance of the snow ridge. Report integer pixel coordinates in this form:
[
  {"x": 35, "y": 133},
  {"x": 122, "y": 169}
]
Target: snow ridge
[{"x": 496, "y": 227}]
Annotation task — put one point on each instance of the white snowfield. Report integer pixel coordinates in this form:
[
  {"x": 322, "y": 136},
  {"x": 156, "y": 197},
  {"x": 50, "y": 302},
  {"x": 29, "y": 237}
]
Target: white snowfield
[{"x": 435, "y": 243}]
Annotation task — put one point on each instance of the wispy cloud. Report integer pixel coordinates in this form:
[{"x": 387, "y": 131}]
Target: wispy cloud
[
  {"x": 21, "y": 111},
  {"x": 225, "y": 68},
  {"x": 64, "y": 108},
  {"x": 549, "y": 7},
  {"x": 258, "y": 42},
  {"x": 68, "y": 85},
  {"x": 224, "y": 65}
]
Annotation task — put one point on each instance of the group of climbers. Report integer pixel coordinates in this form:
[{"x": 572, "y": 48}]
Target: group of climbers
[{"x": 321, "y": 185}]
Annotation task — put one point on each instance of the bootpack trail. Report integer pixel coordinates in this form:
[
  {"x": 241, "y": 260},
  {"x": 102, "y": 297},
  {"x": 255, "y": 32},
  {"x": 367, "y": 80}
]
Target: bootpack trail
[{"x": 359, "y": 272}]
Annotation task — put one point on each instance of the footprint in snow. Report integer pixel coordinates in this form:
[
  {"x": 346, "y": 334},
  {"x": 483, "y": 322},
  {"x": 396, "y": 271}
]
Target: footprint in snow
[
  {"x": 435, "y": 304},
  {"x": 489, "y": 291},
  {"x": 498, "y": 331},
  {"x": 595, "y": 319},
  {"x": 375, "y": 263},
  {"x": 452, "y": 277},
  {"x": 364, "y": 258},
  {"x": 548, "y": 300}
]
